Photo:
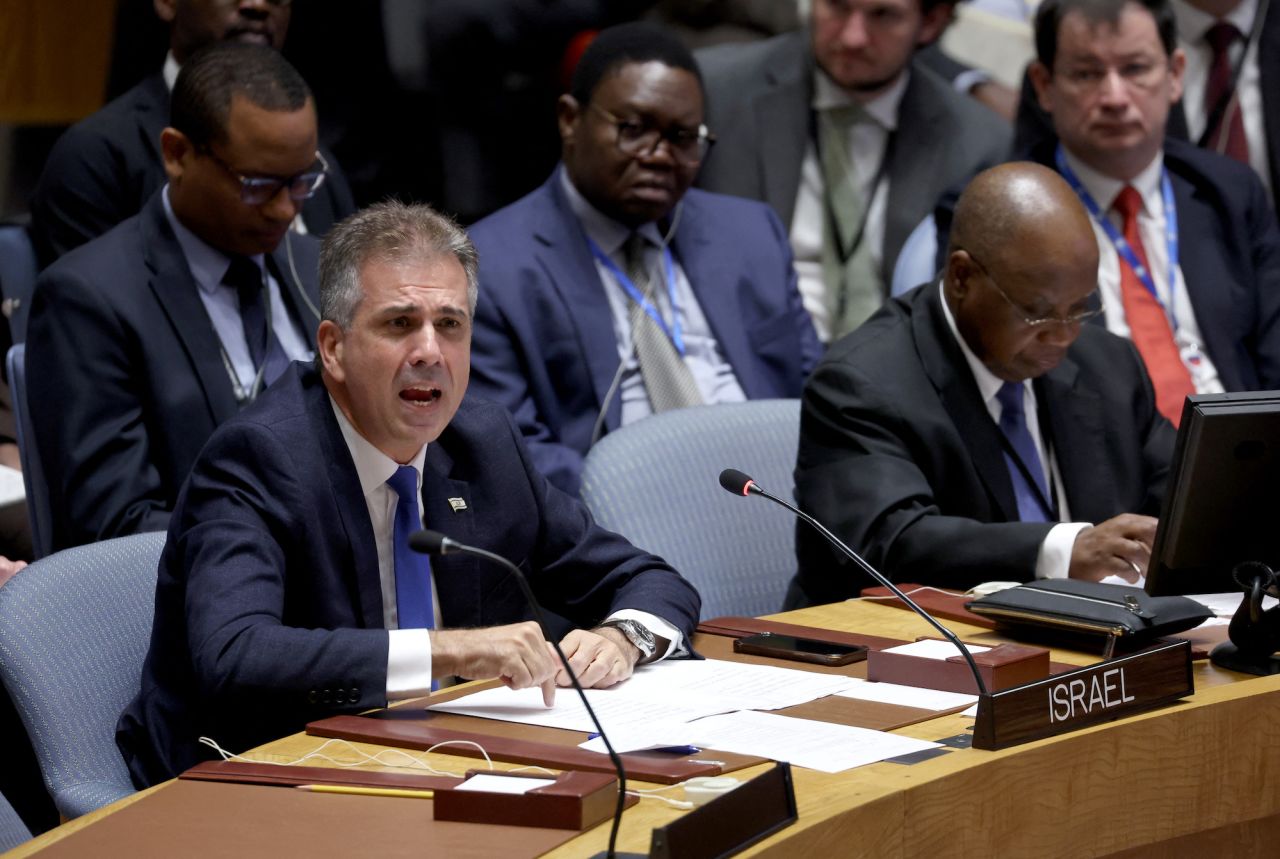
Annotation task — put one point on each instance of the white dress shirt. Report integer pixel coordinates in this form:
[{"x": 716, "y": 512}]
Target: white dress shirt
[
  {"x": 1054, "y": 559},
  {"x": 868, "y": 148},
  {"x": 1151, "y": 229},
  {"x": 712, "y": 373},
  {"x": 1193, "y": 24}
]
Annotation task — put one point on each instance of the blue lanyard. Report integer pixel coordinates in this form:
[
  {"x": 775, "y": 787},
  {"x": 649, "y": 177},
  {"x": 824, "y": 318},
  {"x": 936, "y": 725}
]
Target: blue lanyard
[
  {"x": 1122, "y": 247},
  {"x": 672, "y": 331}
]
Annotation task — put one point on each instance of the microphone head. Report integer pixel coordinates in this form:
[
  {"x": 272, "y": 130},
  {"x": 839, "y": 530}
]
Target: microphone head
[
  {"x": 735, "y": 481},
  {"x": 427, "y": 542}
]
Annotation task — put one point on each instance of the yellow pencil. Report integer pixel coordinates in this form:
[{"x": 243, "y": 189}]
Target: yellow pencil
[{"x": 367, "y": 791}]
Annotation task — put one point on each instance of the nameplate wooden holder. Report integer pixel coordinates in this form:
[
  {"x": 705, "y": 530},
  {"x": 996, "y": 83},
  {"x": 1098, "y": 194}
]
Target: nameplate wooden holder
[
  {"x": 1002, "y": 667},
  {"x": 1061, "y": 703},
  {"x": 577, "y": 800}
]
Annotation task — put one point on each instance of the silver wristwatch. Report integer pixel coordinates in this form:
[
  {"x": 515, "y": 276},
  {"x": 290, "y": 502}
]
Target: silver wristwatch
[{"x": 639, "y": 635}]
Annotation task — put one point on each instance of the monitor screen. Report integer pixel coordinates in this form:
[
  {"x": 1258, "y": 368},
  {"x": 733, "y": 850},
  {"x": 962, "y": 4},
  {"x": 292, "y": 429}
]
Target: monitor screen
[{"x": 1222, "y": 504}]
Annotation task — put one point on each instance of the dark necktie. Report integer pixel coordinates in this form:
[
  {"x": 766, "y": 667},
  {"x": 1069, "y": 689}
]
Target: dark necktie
[
  {"x": 1228, "y": 136},
  {"x": 1148, "y": 324},
  {"x": 667, "y": 377},
  {"x": 1013, "y": 423},
  {"x": 245, "y": 277},
  {"x": 413, "y": 571}
]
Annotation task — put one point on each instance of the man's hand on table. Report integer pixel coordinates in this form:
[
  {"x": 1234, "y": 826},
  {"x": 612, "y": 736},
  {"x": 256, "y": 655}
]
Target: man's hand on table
[
  {"x": 600, "y": 657},
  {"x": 516, "y": 653},
  {"x": 1117, "y": 547}
]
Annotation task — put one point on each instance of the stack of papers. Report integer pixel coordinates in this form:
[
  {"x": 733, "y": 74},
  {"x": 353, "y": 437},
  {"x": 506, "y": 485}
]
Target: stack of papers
[{"x": 710, "y": 704}]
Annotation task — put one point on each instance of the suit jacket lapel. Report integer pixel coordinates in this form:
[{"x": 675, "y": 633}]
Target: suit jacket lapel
[
  {"x": 175, "y": 290},
  {"x": 911, "y": 194},
  {"x": 1269, "y": 72},
  {"x": 152, "y": 114},
  {"x": 303, "y": 306},
  {"x": 447, "y": 508},
  {"x": 1076, "y": 427},
  {"x": 571, "y": 270},
  {"x": 945, "y": 364},
  {"x": 348, "y": 498},
  {"x": 782, "y": 119}
]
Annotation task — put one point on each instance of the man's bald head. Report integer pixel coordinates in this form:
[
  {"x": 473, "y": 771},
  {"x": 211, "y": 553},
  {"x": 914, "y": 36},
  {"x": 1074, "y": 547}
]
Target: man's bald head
[{"x": 1022, "y": 249}]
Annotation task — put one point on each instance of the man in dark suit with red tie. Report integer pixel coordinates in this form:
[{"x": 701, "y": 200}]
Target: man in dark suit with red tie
[
  {"x": 1190, "y": 252},
  {"x": 145, "y": 339}
]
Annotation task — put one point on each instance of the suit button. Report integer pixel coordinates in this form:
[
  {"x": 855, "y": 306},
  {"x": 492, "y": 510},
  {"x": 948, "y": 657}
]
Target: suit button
[
  {"x": 326, "y": 695},
  {"x": 312, "y": 697},
  {"x": 355, "y": 695}
]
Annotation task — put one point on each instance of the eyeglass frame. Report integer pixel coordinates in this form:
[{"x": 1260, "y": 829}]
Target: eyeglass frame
[
  {"x": 1038, "y": 322},
  {"x": 251, "y": 186},
  {"x": 703, "y": 137}
]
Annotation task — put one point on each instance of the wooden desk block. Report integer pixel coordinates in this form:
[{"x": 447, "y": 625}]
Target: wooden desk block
[
  {"x": 1001, "y": 667},
  {"x": 578, "y": 800}
]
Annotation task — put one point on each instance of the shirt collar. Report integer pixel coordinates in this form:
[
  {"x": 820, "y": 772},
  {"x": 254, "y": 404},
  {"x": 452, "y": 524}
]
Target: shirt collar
[
  {"x": 208, "y": 264},
  {"x": 170, "y": 70},
  {"x": 883, "y": 108},
  {"x": 372, "y": 465},
  {"x": 989, "y": 384},
  {"x": 1104, "y": 189},
  {"x": 1194, "y": 23},
  {"x": 608, "y": 234}
]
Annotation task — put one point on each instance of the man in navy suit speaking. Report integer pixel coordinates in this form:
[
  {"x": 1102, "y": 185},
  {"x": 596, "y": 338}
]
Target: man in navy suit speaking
[{"x": 286, "y": 592}]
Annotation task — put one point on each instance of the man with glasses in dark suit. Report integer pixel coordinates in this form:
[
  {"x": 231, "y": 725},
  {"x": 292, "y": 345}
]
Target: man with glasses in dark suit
[
  {"x": 614, "y": 291},
  {"x": 974, "y": 428},
  {"x": 144, "y": 340}
]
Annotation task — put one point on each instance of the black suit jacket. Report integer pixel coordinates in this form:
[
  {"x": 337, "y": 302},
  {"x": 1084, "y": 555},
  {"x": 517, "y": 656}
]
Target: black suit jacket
[
  {"x": 901, "y": 459},
  {"x": 126, "y": 376},
  {"x": 106, "y": 167},
  {"x": 269, "y": 607}
]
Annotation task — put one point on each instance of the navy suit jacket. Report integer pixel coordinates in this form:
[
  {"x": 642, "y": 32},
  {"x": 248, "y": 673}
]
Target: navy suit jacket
[
  {"x": 544, "y": 336},
  {"x": 1229, "y": 251},
  {"x": 107, "y": 166},
  {"x": 901, "y": 459},
  {"x": 126, "y": 377},
  {"x": 268, "y": 604}
]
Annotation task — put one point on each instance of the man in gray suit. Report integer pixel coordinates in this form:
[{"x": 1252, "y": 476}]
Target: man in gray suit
[{"x": 850, "y": 141}]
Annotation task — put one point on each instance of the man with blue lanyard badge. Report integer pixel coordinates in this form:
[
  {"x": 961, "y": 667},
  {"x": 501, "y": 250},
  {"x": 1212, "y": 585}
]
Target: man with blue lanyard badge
[
  {"x": 614, "y": 291},
  {"x": 1189, "y": 249}
]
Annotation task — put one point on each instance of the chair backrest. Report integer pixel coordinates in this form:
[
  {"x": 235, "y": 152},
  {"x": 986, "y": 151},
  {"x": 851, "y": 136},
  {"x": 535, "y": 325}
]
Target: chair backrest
[
  {"x": 12, "y": 830},
  {"x": 656, "y": 482},
  {"x": 74, "y": 631},
  {"x": 17, "y": 277},
  {"x": 917, "y": 261},
  {"x": 41, "y": 514}
]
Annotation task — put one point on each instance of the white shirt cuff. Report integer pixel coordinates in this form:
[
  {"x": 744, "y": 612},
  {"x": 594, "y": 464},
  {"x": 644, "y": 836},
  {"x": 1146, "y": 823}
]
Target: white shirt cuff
[
  {"x": 657, "y": 626},
  {"x": 1054, "y": 560},
  {"x": 408, "y": 663}
]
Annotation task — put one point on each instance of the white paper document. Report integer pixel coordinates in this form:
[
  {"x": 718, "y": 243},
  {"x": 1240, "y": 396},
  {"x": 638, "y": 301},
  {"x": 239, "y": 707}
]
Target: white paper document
[
  {"x": 907, "y": 696},
  {"x": 498, "y": 783},
  {"x": 12, "y": 489},
  {"x": 932, "y": 648},
  {"x": 673, "y": 691},
  {"x": 803, "y": 742}
]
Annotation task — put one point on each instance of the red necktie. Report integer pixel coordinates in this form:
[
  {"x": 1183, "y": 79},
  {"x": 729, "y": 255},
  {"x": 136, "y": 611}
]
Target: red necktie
[
  {"x": 1148, "y": 324},
  {"x": 1228, "y": 136}
]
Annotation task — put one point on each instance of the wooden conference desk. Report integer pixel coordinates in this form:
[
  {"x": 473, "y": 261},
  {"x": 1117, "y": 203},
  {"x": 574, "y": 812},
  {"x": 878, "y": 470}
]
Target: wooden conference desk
[{"x": 1200, "y": 778}]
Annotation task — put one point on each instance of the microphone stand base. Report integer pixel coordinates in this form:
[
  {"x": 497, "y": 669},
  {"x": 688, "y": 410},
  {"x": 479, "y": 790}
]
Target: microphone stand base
[{"x": 1227, "y": 655}]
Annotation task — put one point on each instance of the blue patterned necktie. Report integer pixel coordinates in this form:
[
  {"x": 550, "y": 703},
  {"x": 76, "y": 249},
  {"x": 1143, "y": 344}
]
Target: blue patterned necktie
[
  {"x": 413, "y": 571},
  {"x": 1013, "y": 423}
]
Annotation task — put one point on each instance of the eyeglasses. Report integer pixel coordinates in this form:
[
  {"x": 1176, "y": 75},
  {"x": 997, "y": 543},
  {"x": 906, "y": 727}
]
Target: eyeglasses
[
  {"x": 1138, "y": 74},
  {"x": 1048, "y": 318},
  {"x": 636, "y": 138},
  {"x": 256, "y": 190}
]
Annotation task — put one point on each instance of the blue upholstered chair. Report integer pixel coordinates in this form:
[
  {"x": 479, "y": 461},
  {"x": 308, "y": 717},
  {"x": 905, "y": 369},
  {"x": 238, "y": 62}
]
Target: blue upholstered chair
[
  {"x": 657, "y": 483},
  {"x": 12, "y": 830},
  {"x": 32, "y": 469},
  {"x": 17, "y": 277},
  {"x": 917, "y": 261},
  {"x": 74, "y": 631}
]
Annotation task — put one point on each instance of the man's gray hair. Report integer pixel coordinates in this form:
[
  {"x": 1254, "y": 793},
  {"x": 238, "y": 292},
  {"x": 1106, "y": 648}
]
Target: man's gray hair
[{"x": 391, "y": 232}]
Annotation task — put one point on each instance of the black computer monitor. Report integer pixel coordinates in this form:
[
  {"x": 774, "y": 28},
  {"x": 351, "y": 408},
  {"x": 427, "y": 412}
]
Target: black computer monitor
[{"x": 1222, "y": 504}]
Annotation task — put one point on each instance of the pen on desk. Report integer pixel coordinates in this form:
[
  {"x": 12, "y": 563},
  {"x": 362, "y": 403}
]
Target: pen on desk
[
  {"x": 710, "y": 763},
  {"x": 367, "y": 791}
]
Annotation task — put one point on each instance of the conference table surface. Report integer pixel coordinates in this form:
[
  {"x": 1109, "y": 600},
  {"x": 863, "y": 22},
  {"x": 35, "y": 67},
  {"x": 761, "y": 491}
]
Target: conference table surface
[{"x": 1200, "y": 777}]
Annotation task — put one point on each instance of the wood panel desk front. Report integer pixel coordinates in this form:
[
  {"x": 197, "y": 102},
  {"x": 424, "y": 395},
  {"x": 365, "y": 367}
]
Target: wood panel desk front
[{"x": 1199, "y": 778}]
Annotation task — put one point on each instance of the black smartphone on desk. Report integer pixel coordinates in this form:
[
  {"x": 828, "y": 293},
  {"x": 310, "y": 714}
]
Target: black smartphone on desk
[{"x": 800, "y": 649}]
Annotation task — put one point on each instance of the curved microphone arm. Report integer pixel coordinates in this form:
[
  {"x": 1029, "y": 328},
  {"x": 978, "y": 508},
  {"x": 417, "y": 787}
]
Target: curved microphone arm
[{"x": 738, "y": 483}]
